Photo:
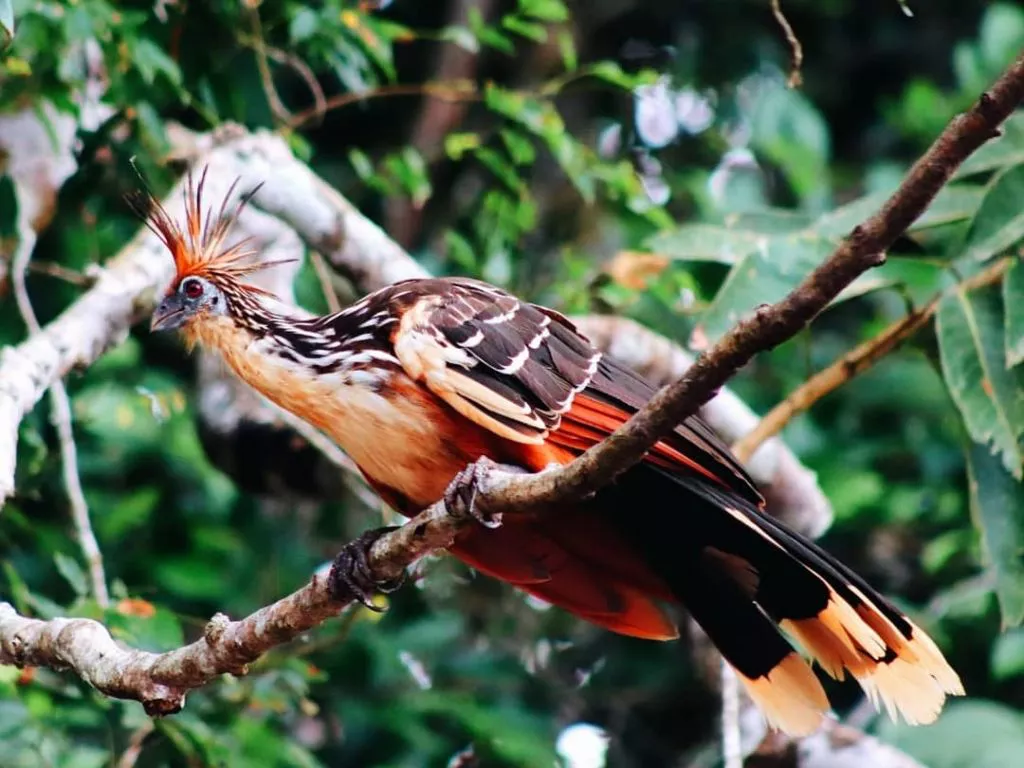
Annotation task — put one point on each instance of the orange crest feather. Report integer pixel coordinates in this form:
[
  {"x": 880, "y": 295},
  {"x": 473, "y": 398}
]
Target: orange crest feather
[{"x": 199, "y": 248}]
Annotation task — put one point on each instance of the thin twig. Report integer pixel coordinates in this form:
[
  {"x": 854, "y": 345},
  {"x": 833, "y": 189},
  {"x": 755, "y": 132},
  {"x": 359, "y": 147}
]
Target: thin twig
[
  {"x": 72, "y": 276},
  {"x": 264, "y": 52},
  {"x": 796, "y": 50},
  {"x": 60, "y": 406},
  {"x": 454, "y": 91},
  {"x": 303, "y": 70},
  {"x": 323, "y": 275},
  {"x": 131, "y": 754},
  {"x": 853, "y": 363},
  {"x": 277, "y": 107}
]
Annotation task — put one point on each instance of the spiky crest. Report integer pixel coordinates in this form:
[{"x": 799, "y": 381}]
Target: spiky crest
[{"x": 199, "y": 249}]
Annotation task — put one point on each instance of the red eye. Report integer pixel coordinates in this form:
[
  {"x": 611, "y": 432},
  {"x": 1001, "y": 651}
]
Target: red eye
[{"x": 193, "y": 289}]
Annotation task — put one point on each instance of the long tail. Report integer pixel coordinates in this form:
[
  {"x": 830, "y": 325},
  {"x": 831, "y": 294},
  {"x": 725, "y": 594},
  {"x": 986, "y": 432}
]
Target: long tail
[
  {"x": 744, "y": 576},
  {"x": 656, "y": 535}
]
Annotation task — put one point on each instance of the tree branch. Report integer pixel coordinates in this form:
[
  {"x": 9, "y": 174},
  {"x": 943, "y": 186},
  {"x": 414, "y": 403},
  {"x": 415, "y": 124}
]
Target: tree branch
[{"x": 769, "y": 326}]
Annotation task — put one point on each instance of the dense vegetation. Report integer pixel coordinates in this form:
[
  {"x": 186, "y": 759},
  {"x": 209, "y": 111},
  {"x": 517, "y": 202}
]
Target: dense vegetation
[{"x": 532, "y": 144}]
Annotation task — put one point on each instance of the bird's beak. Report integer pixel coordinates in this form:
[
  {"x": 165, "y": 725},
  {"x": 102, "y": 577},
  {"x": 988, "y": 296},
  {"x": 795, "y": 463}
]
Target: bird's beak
[{"x": 169, "y": 314}]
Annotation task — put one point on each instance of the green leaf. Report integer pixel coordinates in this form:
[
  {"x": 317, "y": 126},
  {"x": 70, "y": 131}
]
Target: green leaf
[
  {"x": 150, "y": 60},
  {"x": 763, "y": 275},
  {"x": 791, "y": 132},
  {"x": 528, "y": 29},
  {"x": 520, "y": 148},
  {"x": 545, "y": 10},
  {"x": 6, "y": 23},
  {"x": 999, "y": 222},
  {"x": 1013, "y": 301},
  {"x": 997, "y": 506},
  {"x": 1002, "y": 36},
  {"x": 500, "y": 167},
  {"x": 460, "y": 251},
  {"x": 1007, "y": 660},
  {"x": 409, "y": 169},
  {"x": 361, "y": 164},
  {"x": 969, "y": 734},
  {"x": 954, "y": 203},
  {"x": 488, "y": 35},
  {"x": 706, "y": 242},
  {"x": 972, "y": 352},
  {"x": 458, "y": 144},
  {"x": 155, "y": 629},
  {"x": 303, "y": 25},
  {"x": 567, "y": 48},
  {"x": 72, "y": 572},
  {"x": 611, "y": 72},
  {"x": 462, "y": 37}
]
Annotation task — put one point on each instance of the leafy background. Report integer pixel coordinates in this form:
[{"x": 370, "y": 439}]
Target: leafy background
[{"x": 542, "y": 146}]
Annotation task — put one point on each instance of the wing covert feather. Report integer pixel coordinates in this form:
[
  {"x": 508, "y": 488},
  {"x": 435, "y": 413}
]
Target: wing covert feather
[{"x": 525, "y": 373}]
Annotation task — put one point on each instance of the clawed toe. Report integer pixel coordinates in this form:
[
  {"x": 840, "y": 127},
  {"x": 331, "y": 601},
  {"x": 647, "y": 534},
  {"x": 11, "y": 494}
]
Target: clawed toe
[
  {"x": 351, "y": 578},
  {"x": 461, "y": 496}
]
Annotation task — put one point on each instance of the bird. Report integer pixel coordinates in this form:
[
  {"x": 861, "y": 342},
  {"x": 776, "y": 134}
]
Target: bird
[{"x": 422, "y": 378}]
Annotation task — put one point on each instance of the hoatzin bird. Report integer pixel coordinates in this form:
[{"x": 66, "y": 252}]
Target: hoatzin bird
[{"x": 422, "y": 378}]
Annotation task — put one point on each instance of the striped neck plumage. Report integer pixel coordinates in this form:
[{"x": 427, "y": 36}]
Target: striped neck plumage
[{"x": 352, "y": 343}]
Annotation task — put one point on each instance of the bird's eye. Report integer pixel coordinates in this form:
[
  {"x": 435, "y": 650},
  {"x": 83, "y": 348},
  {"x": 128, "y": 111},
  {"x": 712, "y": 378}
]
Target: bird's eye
[{"x": 193, "y": 289}]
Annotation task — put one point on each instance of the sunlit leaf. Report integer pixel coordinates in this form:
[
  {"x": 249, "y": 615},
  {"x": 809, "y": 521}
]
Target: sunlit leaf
[
  {"x": 519, "y": 146},
  {"x": 999, "y": 222},
  {"x": 706, "y": 242},
  {"x": 567, "y": 48},
  {"x": 545, "y": 10},
  {"x": 990, "y": 397},
  {"x": 528, "y": 29},
  {"x": 762, "y": 276},
  {"x": 457, "y": 144}
]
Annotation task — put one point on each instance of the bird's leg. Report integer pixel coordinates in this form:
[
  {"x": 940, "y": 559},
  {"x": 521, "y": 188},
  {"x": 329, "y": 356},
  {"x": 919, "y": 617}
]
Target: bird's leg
[
  {"x": 460, "y": 498},
  {"x": 351, "y": 577}
]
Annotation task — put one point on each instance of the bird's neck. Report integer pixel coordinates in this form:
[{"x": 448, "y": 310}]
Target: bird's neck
[{"x": 350, "y": 387}]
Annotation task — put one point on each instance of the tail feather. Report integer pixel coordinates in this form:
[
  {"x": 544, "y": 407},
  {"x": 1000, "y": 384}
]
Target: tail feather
[{"x": 794, "y": 586}]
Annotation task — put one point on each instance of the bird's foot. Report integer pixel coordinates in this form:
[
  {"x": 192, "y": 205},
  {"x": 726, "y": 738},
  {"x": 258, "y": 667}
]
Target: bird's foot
[
  {"x": 351, "y": 578},
  {"x": 461, "y": 496}
]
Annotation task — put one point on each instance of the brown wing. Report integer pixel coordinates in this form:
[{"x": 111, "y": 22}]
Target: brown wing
[{"x": 526, "y": 373}]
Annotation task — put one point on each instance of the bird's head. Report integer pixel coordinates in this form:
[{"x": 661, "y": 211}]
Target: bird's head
[{"x": 209, "y": 275}]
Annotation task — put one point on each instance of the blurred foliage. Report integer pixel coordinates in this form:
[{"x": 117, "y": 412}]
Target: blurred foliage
[{"x": 534, "y": 144}]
